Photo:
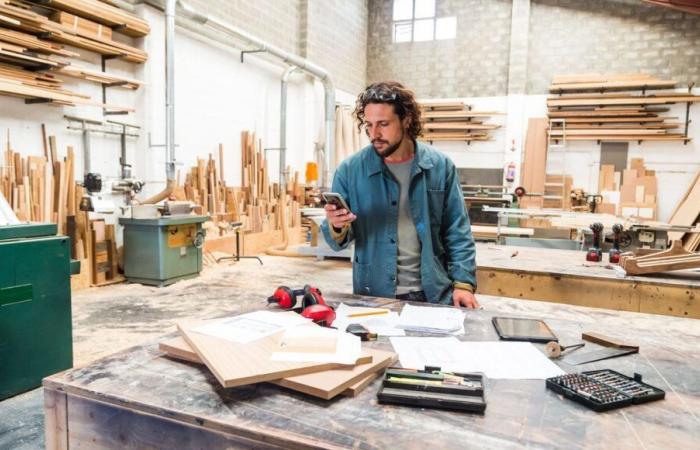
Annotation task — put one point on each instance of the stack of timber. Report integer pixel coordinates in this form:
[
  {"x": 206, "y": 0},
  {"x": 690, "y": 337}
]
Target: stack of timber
[
  {"x": 265, "y": 212},
  {"x": 455, "y": 121},
  {"x": 614, "y": 108},
  {"x": 675, "y": 258},
  {"x": 42, "y": 189},
  {"x": 687, "y": 213},
  {"x": 31, "y": 39},
  {"x": 632, "y": 193}
]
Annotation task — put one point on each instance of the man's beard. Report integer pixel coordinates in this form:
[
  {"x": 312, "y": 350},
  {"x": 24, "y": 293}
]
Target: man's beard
[{"x": 387, "y": 152}]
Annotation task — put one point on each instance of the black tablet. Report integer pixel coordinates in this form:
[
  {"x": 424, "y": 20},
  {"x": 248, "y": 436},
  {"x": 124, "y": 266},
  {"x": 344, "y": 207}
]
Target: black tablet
[{"x": 515, "y": 329}]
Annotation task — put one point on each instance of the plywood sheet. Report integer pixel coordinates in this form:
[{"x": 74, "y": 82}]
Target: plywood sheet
[
  {"x": 325, "y": 384},
  {"x": 534, "y": 166},
  {"x": 236, "y": 364}
]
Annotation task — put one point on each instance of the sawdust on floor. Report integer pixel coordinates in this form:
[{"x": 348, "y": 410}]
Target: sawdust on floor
[{"x": 112, "y": 318}]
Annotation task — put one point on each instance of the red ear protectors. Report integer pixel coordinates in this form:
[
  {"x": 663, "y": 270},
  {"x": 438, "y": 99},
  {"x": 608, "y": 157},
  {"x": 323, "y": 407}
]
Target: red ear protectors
[
  {"x": 321, "y": 314},
  {"x": 313, "y": 306},
  {"x": 285, "y": 297}
]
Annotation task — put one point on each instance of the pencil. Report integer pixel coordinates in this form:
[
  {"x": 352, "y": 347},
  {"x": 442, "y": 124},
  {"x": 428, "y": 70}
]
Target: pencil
[{"x": 369, "y": 313}]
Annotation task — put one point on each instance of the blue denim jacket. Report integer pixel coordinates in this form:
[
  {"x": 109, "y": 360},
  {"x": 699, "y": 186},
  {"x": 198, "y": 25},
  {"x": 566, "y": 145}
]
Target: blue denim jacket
[{"x": 448, "y": 253}]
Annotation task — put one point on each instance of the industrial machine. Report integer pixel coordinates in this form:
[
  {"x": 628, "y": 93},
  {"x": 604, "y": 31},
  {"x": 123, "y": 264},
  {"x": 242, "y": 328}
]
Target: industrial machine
[
  {"x": 162, "y": 249},
  {"x": 477, "y": 196},
  {"x": 35, "y": 305}
]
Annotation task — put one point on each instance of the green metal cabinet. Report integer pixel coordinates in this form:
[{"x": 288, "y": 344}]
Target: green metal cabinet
[
  {"x": 35, "y": 306},
  {"x": 162, "y": 251}
]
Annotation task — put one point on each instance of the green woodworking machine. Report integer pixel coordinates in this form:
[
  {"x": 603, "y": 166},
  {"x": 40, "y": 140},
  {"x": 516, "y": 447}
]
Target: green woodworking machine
[
  {"x": 35, "y": 305},
  {"x": 162, "y": 250}
]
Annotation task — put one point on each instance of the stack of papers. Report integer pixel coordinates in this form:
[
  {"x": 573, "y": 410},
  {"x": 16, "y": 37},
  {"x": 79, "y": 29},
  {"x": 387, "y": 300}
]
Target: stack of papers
[
  {"x": 381, "y": 321},
  {"x": 427, "y": 319},
  {"x": 499, "y": 360}
]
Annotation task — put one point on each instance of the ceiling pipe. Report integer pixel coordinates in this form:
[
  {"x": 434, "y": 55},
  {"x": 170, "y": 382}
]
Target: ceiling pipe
[
  {"x": 291, "y": 59},
  {"x": 169, "y": 105},
  {"x": 283, "y": 124}
]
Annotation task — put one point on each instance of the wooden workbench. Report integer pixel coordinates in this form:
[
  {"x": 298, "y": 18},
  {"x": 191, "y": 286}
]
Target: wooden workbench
[
  {"x": 140, "y": 399},
  {"x": 564, "y": 276}
]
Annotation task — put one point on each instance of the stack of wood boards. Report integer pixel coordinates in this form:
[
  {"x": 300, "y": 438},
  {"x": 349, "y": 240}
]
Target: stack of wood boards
[
  {"x": 39, "y": 188},
  {"x": 242, "y": 363},
  {"x": 675, "y": 258},
  {"x": 31, "y": 38},
  {"x": 258, "y": 204},
  {"x": 455, "y": 121},
  {"x": 596, "y": 107},
  {"x": 687, "y": 213},
  {"x": 42, "y": 189},
  {"x": 632, "y": 193}
]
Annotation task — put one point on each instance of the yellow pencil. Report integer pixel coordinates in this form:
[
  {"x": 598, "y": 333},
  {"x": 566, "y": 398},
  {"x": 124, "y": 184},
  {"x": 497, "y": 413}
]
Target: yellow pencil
[{"x": 369, "y": 313}]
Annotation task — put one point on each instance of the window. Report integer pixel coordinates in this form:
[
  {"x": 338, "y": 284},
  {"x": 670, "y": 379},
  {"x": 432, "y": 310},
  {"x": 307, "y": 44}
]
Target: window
[{"x": 415, "y": 21}]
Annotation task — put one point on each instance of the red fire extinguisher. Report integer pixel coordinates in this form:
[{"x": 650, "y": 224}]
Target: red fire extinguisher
[{"x": 510, "y": 172}]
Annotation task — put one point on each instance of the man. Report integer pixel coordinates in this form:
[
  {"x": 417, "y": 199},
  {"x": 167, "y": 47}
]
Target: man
[{"x": 407, "y": 217}]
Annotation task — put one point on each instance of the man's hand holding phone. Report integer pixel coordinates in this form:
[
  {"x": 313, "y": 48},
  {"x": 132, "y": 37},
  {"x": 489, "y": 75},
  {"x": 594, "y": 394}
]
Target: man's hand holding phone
[{"x": 337, "y": 211}]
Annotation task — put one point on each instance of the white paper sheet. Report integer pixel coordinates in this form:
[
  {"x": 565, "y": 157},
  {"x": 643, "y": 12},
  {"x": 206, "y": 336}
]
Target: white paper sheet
[
  {"x": 251, "y": 326},
  {"x": 382, "y": 324},
  {"x": 427, "y": 319},
  {"x": 499, "y": 360}
]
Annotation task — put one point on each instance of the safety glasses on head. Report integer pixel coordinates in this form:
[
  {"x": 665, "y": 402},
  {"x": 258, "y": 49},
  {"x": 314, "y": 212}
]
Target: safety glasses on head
[{"x": 379, "y": 94}]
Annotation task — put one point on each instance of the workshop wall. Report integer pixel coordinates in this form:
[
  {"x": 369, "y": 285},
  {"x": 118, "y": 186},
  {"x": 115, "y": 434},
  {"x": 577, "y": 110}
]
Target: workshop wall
[
  {"x": 473, "y": 64},
  {"x": 604, "y": 36}
]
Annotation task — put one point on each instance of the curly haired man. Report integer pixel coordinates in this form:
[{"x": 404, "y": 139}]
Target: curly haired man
[{"x": 407, "y": 217}]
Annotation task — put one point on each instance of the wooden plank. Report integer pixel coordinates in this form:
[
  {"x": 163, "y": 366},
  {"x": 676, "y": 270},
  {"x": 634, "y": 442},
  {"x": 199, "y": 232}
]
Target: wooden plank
[
  {"x": 632, "y": 100},
  {"x": 612, "y": 85},
  {"x": 615, "y": 120},
  {"x": 443, "y": 106},
  {"x": 458, "y": 126},
  {"x": 534, "y": 165},
  {"x": 457, "y": 114},
  {"x": 597, "y": 78},
  {"x": 100, "y": 12},
  {"x": 325, "y": 384},
  {"x": 628, "y": 137},
  {"x": 236, "y": 364},
  {"x": 606, "y": 132}
]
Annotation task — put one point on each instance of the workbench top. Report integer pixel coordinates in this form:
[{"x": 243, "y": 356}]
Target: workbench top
[
  {"x": 568, "y": 262},
  {"x": 102, "y": 399}
]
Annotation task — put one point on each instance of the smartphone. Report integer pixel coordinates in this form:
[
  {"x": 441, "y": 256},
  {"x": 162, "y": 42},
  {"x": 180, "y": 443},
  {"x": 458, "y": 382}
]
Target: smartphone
[{"x": 336, "y": 199}]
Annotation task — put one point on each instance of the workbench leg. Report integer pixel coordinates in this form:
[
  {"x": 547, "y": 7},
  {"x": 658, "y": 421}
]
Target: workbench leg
[{"x": 55, "y": 420}]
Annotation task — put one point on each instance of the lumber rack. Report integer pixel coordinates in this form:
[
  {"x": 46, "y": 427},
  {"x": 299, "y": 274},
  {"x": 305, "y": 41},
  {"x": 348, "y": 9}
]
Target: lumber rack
[
  {"x": 601, "y": 88},
  {"x": 237, "y": 256}
]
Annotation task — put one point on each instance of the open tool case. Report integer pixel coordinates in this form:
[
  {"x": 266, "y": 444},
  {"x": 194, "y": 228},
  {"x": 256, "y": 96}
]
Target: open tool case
[
  {"x": 432, "y": 388},
  {"x": 602, "y": 390}
]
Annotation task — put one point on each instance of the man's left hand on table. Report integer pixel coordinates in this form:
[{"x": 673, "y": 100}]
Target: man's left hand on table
[{"x": 464, "y": 298}]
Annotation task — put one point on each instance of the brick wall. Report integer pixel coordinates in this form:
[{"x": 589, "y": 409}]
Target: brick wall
[
  {"x": 335, "y": 37},
  {"x": 610, "y": 36},
  {"x": 564, "y": 37},
  {"x": 473, "y": 64},
  {"x": 277, "y": 22}
]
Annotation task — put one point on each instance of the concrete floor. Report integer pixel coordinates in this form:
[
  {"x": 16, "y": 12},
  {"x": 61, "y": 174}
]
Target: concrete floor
[{"x": 112, "y": 318}]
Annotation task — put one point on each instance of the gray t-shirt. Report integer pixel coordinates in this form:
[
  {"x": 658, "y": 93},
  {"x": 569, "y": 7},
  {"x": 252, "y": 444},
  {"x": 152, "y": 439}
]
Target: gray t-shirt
[{"x": 408, "y": 258}]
